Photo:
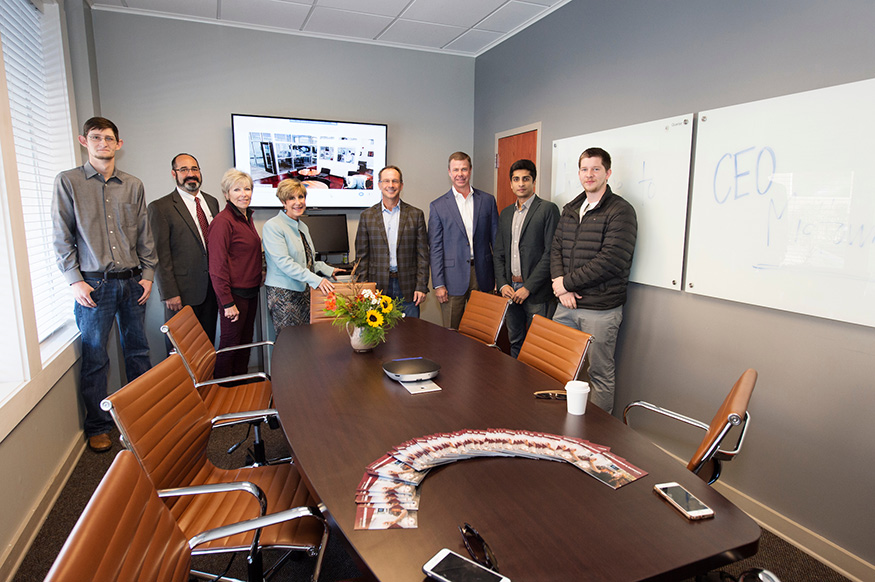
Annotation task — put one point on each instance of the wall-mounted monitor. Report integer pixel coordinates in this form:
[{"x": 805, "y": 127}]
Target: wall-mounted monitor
[{"x": 336, "y": 160}]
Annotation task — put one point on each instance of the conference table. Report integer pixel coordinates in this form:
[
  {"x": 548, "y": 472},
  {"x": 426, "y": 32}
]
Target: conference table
[{"x": 545, "y": 521}]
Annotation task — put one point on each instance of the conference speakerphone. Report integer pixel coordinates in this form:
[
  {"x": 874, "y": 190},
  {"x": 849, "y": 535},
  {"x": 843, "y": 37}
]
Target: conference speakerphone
[{"x": 411, "y": 369}]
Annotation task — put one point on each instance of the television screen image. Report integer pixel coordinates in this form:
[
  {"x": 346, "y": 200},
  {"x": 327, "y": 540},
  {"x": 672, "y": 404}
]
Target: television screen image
[{"x": 335, "y": 160}]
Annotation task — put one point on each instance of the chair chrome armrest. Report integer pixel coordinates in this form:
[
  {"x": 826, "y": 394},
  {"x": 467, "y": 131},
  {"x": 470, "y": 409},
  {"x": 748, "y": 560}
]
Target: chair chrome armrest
[
  {"x": 259, "y": 376},
  {"x": 663, "y": 412},
  {"x": 256, "y": 523},
  {"x": 727, "y": 455},
  {"x": 242, "y": 346},
  {"x": 246, "y": 486},
  {"x": 245, "y": 416}
]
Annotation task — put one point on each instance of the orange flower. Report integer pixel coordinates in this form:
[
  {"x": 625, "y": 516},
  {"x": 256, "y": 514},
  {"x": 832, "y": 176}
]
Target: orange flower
[{"x": 331, "y": 301}]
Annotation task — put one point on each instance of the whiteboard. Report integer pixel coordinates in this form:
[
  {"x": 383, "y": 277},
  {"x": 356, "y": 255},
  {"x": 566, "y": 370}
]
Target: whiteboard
[
  {"x": 783, "y": 204},
  {"x": 650, "y": 169}
]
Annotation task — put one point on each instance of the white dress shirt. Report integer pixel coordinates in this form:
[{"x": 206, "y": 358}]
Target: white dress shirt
[
  {"x": 192, "y": 208},
  {"x": 392, "y": 221},
  {"x": 466, "y": 209}
]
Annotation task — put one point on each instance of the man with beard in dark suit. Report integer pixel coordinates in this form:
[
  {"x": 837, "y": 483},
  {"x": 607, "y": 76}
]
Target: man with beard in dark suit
[{"x": 180, "y": 222}]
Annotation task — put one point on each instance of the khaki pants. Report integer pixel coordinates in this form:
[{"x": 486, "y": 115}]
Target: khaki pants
[{"x": 452, "y": 310}]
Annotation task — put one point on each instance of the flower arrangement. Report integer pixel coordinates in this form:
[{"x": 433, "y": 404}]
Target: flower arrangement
[{"x": 373, "y": 312}]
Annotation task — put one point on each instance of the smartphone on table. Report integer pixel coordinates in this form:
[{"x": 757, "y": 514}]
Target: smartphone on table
[
  {"x": 683, "y": 501},
  {"x": 448, "y": 566}
]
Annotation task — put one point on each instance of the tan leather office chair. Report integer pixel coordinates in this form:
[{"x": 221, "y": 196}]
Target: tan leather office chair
[
  {"x": 191, "y": 342},
  {"x": 317, "y": 299},
  {"x": 483, "y": 316},
  {"x": 250, "y": 392},
  {"x": 555, "y": 349},
  {"x": 733, "y": 412},
  {"x": 127, "y": 533},
  {"x": 165, "y": 423}
]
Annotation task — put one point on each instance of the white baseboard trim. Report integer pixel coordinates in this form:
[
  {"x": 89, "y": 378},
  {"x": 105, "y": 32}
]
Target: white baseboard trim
[
  {"x": 11, "y": 559},
  {"x": 815, "y": 545}
]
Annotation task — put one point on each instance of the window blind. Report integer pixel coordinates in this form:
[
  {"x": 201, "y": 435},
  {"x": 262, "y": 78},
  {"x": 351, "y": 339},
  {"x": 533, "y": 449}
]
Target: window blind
[{"x": 39, "y": 106}]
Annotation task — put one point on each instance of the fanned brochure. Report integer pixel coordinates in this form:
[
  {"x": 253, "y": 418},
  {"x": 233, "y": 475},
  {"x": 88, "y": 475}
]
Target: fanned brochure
[{"x": 387, "y": 496}]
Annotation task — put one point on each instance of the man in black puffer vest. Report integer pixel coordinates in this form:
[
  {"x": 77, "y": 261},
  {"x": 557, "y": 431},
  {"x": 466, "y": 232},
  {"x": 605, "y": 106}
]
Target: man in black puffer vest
[{"x": 590, "y": 260}]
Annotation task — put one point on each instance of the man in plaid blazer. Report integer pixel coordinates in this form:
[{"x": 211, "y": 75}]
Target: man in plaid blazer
[{"x": 391, "y": 245}]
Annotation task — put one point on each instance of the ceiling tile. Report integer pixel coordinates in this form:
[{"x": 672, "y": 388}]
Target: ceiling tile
[
  {"x": 346, "y": 23},
  {"x": 473, "y": 41},
  {"x": 455, "y": 12},
  {"x": 510, "y": 16},
  {"x": 421, "y": 33},
  {"x": 429, "y": 24},
  {"x": 200, "y": 8},
  {"x": 382, "y": 7},
  {"x": 289, "y": 15}
]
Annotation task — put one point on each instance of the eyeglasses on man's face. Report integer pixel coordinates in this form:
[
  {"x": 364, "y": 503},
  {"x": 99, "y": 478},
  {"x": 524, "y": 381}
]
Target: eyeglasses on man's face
[
  {"x": 95, "y": 138},
  {"x": 185, "y": 170}
]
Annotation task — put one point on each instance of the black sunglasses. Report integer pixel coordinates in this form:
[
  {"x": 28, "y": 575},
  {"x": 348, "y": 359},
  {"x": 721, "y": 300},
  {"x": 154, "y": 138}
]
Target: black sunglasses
[
  {"x": 478, "y": 548},
  {"x": 551, "y": 395}
]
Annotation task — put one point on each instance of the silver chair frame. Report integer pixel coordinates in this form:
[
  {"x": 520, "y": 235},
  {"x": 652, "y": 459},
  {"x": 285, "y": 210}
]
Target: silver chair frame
[{"x": 714, "y": 452}]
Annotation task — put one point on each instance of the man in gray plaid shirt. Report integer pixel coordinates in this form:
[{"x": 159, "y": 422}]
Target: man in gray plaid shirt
[{"x": 391, "y": 245}]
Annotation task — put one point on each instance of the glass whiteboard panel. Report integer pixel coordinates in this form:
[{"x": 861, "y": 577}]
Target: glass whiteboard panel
[
  {"x": 651, "y": 169},
  {"x": 783, "y": 204}
]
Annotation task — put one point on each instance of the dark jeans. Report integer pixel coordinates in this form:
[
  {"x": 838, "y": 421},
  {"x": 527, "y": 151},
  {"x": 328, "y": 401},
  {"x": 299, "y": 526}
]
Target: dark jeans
[
  {"x": 519, "y": 318},
  {"x": 234, "y": 333},
  {"x": 115, "y": 299},
  {"x": 406, "y": 307}
]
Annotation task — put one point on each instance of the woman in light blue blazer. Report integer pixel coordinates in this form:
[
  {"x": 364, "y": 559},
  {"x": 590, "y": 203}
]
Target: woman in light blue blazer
[{"x": 291, "y": 268}]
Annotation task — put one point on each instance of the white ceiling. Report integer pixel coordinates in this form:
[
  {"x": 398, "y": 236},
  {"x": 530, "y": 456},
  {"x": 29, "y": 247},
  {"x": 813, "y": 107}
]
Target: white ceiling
[{"x": 460, "y": 27}]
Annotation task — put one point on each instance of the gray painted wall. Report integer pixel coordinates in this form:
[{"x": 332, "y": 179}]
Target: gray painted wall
[
  {"x": 597, "y": 65},
  {"x": 171, "y": 86}
]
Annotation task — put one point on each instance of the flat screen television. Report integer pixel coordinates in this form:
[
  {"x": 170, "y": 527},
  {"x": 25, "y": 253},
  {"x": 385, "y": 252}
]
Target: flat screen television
[
  {"x": 336, "y": 160},
  {"x": 328, "y": 232}
]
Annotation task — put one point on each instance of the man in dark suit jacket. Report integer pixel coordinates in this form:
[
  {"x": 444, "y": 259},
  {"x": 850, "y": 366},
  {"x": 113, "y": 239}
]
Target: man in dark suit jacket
[
  {"x": 179, "y": 221},
  {"x": 522, "y": 254},
  {"x": 391, "y": 245},
  {"x": 461, "y": 231}
]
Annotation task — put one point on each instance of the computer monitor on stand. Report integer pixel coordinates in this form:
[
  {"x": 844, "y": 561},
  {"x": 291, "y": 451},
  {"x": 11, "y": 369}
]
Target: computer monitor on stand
[{"x": 330, "y": 237}]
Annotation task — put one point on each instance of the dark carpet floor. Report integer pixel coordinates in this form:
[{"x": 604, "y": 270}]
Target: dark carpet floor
[{"x": 776, "y": 555}]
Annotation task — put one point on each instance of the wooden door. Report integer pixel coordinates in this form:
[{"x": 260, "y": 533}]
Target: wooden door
[{"x": 511, "y": 149}]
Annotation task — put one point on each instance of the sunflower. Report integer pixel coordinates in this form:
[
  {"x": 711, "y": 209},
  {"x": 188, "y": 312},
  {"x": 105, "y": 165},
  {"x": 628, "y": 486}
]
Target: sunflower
[
  {"x": 375, "y": 318},
  {"x": 385, "y": 304}
]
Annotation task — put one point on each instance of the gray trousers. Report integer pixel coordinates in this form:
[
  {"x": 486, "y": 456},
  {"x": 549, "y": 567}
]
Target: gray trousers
[{"x": 603, "y": 326}]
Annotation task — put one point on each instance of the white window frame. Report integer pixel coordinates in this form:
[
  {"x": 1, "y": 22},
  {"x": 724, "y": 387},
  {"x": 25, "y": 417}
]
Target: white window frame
[{"x": 43, "y": 363}]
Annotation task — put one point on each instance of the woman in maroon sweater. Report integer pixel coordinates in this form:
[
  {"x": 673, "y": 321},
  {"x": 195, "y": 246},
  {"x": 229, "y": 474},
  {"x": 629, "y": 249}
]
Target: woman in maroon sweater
[{"x": 236, "y": 271}]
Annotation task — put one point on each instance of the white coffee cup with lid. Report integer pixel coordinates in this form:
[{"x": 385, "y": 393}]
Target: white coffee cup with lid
[{"x": 577, "y": 393}]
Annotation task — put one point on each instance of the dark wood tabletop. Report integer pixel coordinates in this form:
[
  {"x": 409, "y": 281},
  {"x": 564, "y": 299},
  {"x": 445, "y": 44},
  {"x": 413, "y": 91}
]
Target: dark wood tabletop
[{"x": 544, "y": 520}]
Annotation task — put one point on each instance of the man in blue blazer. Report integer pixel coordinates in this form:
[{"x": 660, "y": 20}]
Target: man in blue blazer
[
  {"x": 461, "y": 231},
  {"x": 522, "y": 254}
]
